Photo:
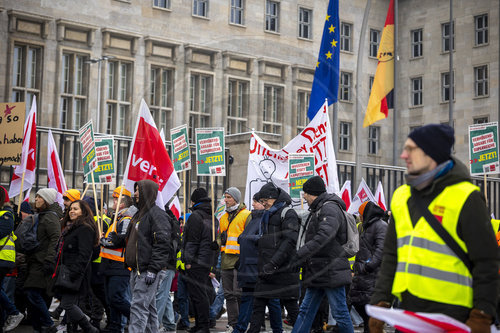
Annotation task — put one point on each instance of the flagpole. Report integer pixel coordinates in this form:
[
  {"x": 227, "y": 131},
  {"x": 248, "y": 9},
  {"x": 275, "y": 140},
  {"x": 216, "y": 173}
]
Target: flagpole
[
  {"x": 213, "y": 217},
  {"x": 118, "y": 206},
  {"x": 452, "y": 41},
  {"x": 86, "y": 189},
  {"x": 21, "y": 192},
  {"x": 96, "y": 205},
  {"x": 359, "y": 72},
  {"x": 102, "y": 199},
  {"x": 395, "y": 92},
  {"x": 185, "y": 194}
]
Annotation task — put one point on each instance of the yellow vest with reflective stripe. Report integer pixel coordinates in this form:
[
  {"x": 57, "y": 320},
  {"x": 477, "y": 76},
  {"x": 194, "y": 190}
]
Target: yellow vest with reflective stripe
[
  {"x": 105, "y": 220},
  {"x": 114, "y": 254},
  {"x": 427, "y": 267},
  {"x": 8, "y": 252},
  {"x": 235, "y": 229}
]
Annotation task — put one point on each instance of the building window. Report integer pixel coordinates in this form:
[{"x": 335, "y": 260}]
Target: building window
[
  {"x": 416, "y": 43},
  {"x": 345, "y": 86},
  {"x": 272, "y": 114},
  {"x": 445, "y": 34},
  {"x": 481, "y": 120},
  {"x": 445, "y": 87},
  {"x": 26, "y": 74},
  {"x": 161, "y": 96},
  {"x": 73, "y": 95},
  {"x": 371, "y": 79},
  {"x": 305, "y": 23},
  {"x": 481, "y": 81},
  {"x": 345, "y": 136},
  {"x": 200, "y": 8},
  {"x": 374, "y": 42},
  {"x": 416, "y": 91},
  {"x": 481, "y": 29},
  {"x": 237, "y": 11},
  {"x": 237, "y": 106},
  {"x": 373, "y": 140},
  {"x": 303, "y": 98},
  {"x": 345, "y": 36},
  {"x": 161, "y": 4},
  {"x": 272, "y": 15},
  {"x": 119, "y": 97},
  {"x": 200, "y": 100}
]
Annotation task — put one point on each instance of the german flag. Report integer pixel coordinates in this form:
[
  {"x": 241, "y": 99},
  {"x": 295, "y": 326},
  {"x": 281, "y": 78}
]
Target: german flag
[{"x": 381, "y": 99}]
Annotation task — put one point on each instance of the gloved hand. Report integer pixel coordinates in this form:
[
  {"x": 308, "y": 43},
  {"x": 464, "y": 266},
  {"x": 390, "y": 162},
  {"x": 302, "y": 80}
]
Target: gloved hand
[
  {"x": 103, "y": 241},
  {"x": 376, "y": 325},
  {"x": 113, "y": 237},
  {"x": 268, "y": 268},
  {"x": 49, "y": 267},
  {"x": 479, "y": 322},
  {"x": 214, "y": 246},
  {"x": 150, "y": 278}
]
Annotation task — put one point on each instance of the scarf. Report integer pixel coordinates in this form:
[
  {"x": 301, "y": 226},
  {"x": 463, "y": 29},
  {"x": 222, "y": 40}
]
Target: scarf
[
  {"x": 419, "y": 182},
  {"x": 265, "y": 217}
]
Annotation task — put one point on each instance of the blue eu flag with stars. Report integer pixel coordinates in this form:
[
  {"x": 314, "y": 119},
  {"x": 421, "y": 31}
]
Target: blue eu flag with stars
[{"x": 326, "y": 75}]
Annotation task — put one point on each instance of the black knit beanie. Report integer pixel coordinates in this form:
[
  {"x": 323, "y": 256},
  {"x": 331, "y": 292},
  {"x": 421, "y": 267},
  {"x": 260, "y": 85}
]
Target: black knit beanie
[
  {"x": 268, "y": 191},
  {"x": 198, "y": 194},
  {"x": 314, "y": 186},
  {"x": 436, "y": 140}
]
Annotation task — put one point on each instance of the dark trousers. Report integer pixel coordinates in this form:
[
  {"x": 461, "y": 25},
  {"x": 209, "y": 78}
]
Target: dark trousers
[
  {"x": 292, "y": 308},
  {"x": 360, "y": 308},
  {"x": 197, "y": 287},
  {"x": 259, "y": 311},
  {"x": 38, "y": 306},
  {"x": 117, "y": 291}
]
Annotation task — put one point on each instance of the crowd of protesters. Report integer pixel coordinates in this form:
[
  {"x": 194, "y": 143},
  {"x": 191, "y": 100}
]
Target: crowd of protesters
[{"x": 121, "y": 278}]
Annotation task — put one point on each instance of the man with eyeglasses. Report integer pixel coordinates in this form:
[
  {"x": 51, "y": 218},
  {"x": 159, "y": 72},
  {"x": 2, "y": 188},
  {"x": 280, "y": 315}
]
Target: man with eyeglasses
[{"x": 440, "y": 254}]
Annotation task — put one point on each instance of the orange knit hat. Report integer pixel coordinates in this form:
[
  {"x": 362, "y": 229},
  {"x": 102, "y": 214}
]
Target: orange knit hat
[
  {"x": 362, "y": 207},
  {"x": 72, "y": 194}
]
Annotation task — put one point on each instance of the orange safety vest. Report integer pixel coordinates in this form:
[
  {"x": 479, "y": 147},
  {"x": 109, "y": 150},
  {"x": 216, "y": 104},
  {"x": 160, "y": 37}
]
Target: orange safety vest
[
  {"x": 236, "y": 227},
  {"x": 114, "y": 254}
]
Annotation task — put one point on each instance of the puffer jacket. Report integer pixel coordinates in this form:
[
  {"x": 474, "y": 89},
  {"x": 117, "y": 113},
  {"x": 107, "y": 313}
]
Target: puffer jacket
[
  {"x": 325, "y": 262},
  {"x": 369, "y": 257},
  {"x": 277, "y": 246},
  {"x": 148, "y": 234},
  {"x": 49, "y": 230},
  {"x": 247, "y": 268}
]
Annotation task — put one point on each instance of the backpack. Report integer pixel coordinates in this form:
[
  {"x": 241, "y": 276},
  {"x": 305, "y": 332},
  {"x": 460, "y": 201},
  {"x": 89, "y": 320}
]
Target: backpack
[
  {"x": 351, "y": 247},
  {"x": 27, "y": 241},
  {"x": 175, "y": 233},
  {"x": 303, "y": 216}
]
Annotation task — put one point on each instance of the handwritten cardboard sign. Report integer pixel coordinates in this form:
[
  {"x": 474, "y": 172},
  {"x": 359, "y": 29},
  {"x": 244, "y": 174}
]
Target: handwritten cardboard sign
[{"x": 12, "y": 117}]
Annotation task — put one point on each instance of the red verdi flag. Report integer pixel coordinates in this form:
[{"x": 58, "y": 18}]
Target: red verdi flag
[
  {"x": 54, "y": 170},
  {"x": 149, "y": 159},
  {"x": 383, "y": 84}
]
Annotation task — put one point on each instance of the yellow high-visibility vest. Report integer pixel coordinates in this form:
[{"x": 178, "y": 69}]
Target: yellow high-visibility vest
[
  {"x": 114, "y": 254},
  {"x": 235, "y": 229},
  {"x": 8, "y": 252},
  {"x": 427, "y": 267},
  {"x": 106, "y": 220}
]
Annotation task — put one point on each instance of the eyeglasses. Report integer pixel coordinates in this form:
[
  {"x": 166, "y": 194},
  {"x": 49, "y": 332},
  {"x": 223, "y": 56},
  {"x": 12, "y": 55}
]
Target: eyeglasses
[
  {"x": 263, "y": 201},
  {"x": 409, "y": 149}
]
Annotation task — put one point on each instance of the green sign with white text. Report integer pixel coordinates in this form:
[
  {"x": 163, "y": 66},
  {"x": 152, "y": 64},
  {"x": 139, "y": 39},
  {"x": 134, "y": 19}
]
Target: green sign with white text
[
  {"x": 181, "y": 154},
  {"x": 87, "y": 147},
  {"x": 210, "y": 157},
  {"x": 483, "y": 149},
  {"x": 105, "y": 172},
  {"x": 300, "y": 169}
]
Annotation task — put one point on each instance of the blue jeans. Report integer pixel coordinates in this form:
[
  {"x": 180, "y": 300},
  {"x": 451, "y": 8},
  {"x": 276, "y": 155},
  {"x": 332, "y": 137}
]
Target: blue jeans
[
  {"x": 218, "y": 302},
  {"x": 39, "y": 308},
  {"x": 118, "y": 297},
  {"x": 310, "y": 304},
  {"x": 183, "y": 299},
  {"x": 164, "y": 302}
]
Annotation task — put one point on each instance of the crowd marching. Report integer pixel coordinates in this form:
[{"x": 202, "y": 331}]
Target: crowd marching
[{"x": 434, "y": 251}]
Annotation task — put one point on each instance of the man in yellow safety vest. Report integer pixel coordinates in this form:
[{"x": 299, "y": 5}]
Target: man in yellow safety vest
[{"x": 440, "y": 254}]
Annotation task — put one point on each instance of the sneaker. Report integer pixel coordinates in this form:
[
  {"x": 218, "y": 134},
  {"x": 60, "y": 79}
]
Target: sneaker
[
  {"x": 229, "y": 329},
  {"x": 182, "y": 327},
  {"x": 221, "y": 312},
  {"x": 212, "y": 324},
  {"x": 13, "y": 321}
]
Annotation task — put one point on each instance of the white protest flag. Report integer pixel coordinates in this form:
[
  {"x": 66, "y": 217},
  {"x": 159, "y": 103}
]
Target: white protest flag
[
  {"x": 54, "y": 170},
  {"x": 175, "y": 207},
  {"x": 28, "y": 157},
  {"x": 362, "y": 194},
  {"x": 345, "y": 194},
  {"x": 149, "y": 159},
  {"x": 380, "y": 197},
  {"x": 221, "y": 209},
  {"x": 271, "y": 165}
]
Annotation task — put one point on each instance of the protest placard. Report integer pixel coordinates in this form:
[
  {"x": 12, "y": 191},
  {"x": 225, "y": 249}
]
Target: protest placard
[
  {"x": 181, "y": 154},
  {"x": 210, "y": 157},
  {"x": 12, "y": 117},
  {"x": 300, "y": 169},
  {"x": 483, "y": 148},
  {"x": 87, "y": 147},
  {"x": 105, "y": 171}
]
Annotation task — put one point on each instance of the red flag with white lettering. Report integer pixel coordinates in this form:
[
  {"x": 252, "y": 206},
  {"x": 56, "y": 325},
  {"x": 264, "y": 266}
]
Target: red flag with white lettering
[
  {"x": 380, "y": 197},
  {"x": 54, "y": 170},
  {"x": 362, "y": 194},
  {"x": 28, "y": 157},
  {"x": 149, "y": 159},
  {"x": 175, "y": 207},
  {"x": 345, "y": 194}
]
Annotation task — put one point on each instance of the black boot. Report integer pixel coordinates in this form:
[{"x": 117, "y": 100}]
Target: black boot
[{"x": 87, "y": 327}]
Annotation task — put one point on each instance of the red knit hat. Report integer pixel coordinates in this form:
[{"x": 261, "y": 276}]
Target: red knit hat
[{"x": 7, "y": 199}]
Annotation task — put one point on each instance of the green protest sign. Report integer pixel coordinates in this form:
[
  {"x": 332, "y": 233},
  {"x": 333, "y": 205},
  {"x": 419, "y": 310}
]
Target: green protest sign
[
  {"x": 210, "y": 158},
  {"x": 483, "y": 148},
  {"x": 181, "y": 154},
  {"x": 300, "y": 169},
  {"x": 87, "y": 147},
  {"x": 105, "y": 171}
]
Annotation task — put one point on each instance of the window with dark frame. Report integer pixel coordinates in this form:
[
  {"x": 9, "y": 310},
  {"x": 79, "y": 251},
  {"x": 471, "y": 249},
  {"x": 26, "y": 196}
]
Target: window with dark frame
[
  {"x": 161, "y": 96},
  {"x": 303, "y": 98},
  {"x": 481, "y": 120},
  {"x": 373, "y": 139},
  {"x": 73, "y": 90},
  {"x": 345, "y": 136},
  {"x": 481, "y": 88},
  {"x": 237, "y": 12},
  {"x": 445, "y": 87},
  {"x": 345, "y": 36},
  {"x": 481, "y": 29},
  {"x": 237, "y": 106},
  {"x": 272, "y": 109},
  {"x": 416, "y": 43},
  {"x": 416, "y": 91},
  {"x": 374, "y": 42},
  {"x": 445, "y": 36},
  {"x": 272, "y": 15},
  {"x": 200, "y": 8},
  {"x": 161, "y": 4},
  {"x": 345, "y": 86},
  {"x": 305, "y": 23},
  {"x": 118, "y": 97},
  {"x": 200, "y": 100}
]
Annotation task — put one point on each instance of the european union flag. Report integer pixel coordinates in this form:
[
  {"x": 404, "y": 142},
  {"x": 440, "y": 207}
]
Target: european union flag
[{"x": 326, "y": 76}]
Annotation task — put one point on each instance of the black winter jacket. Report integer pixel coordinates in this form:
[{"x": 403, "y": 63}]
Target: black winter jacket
[
  {"x": 369, "y": 257},
  {"x": 197, "y": 237},
  {"x": 148, "y": 234},
  {"x": 473, "y": 227},
  {"x": 326, "y": 264},
  {"x": 277, "y": 247},
  {"x": 247, "y": 268}
]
